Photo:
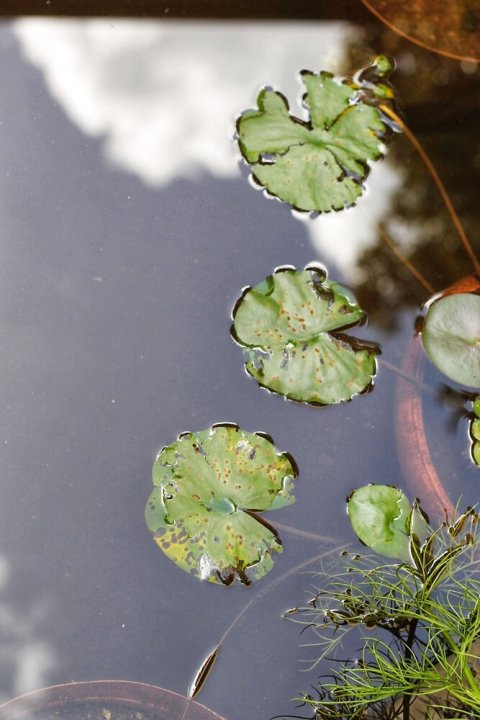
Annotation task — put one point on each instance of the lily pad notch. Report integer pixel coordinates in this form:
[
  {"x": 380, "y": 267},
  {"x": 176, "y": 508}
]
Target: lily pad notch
[
  {"x": 385, "y": 521},
  {"x": 319, "y": 164},
  {"x": 292, "y": 329},
  {"x": 208, "y": 487}
]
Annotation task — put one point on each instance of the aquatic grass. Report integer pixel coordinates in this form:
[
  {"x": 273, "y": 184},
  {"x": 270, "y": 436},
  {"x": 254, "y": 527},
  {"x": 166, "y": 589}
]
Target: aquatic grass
[{"x": 416, "y": 622}]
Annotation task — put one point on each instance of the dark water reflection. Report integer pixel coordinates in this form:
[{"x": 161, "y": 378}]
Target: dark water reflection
[{"x": 115, "y": 300}]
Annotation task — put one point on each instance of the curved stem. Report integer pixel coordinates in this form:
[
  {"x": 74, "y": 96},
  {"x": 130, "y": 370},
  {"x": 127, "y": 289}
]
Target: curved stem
[
  {"x": 256, "y": 598},
  {"x": 396, "y": 251},
  {"x": 438, "y": 182},
  {"x": 307, "y": 534},
  {"x": 261, "y": 594}
]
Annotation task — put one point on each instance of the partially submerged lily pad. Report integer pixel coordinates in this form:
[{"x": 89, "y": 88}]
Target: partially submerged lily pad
[
  {"x": 319, "y": 164},
  {"x": 384, "y": 520},
  {"x": 291, "y": 327},
  {"x": 208, "y": 487},
  {"x": 451, "y": 337},
  {"x": 475, "y": 431}
]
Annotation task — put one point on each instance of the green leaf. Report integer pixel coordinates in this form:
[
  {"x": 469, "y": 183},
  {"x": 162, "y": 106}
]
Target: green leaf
[
  {"x": 318, "y": 165},
  {"x": 451, "y": 337},
  {"x": 475, "y": 431},
  {"x": 417, "y": 523},
  {"x": 291, "y": 328},
  {"x": 381, "y": 517},
  {"x": 208, "y": 486},
  {"x": 476, "y": 452},
  {"x": 476, "y": 406}
]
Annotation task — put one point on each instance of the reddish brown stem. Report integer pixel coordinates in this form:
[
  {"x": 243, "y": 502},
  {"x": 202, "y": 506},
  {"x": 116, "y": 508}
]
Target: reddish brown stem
[{"x": 438, "y": 182}]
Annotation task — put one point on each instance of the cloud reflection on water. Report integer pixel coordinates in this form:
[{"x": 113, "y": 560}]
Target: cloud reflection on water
[
  {"x": 24, "y": 655},
  {"x": 164, "y": 95}
]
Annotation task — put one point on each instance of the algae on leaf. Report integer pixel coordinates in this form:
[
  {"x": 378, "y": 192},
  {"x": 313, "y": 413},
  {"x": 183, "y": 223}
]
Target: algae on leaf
[
  {"x": 319, "y": 164},
  {"x": 291, "y": 328},
  {"x": 208, "y": 487}
]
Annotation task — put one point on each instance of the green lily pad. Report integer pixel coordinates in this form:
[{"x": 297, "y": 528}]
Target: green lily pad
[
  {"x": 291, "y": 327},
  {"x": 319, "y": 164},
  {"x": 381, "y": 516},
  {"x": 476, "y": 452},
  {"x": 208, "y": 487},
  {"x": 475, "y": 431},
  {"x": 476, "y": 406},
  {"x": 451, "y": 337}
]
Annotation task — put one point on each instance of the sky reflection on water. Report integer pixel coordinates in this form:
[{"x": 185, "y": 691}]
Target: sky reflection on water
[{"x": 127, "y": 234}]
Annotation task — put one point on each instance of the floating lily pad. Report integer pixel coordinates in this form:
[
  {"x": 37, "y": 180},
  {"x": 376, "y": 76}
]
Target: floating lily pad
[
  {"x": 208, "y": 487},
  {"x": 291, "y": 327},
  {"x": 451, "y": 337},
  {"x": 319, "y": 164},
  {"x": 475, "y": 431},
  {"x": 384, "y": 520}
]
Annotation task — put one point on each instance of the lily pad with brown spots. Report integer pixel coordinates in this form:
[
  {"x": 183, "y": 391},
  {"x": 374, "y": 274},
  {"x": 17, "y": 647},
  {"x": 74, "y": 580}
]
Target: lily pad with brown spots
[
  {"x": 319, "y": 164},
  {"x": 292, "y": 329},
  {"x": 208, "y": 487}
]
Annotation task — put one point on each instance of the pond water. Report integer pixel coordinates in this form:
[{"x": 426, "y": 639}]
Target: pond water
[{"x": 128, "y": 231}]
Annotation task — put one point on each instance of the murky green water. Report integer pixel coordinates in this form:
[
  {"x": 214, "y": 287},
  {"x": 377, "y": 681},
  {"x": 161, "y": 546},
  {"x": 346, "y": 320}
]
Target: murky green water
[{"x": 128, "y": 231}]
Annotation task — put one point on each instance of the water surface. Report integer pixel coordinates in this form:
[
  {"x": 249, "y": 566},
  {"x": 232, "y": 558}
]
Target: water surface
[{"x": 128, "y": 231}]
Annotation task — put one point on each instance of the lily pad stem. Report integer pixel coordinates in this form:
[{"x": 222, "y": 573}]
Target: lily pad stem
[
  {"x": 438, "y": 182},
  {"x": 407, "y": 697},
  {"x": 307, "y": 534},
  {"x": 416, "y": 273}
]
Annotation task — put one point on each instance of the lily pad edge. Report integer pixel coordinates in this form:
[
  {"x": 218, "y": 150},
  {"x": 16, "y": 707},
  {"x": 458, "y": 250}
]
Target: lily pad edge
[{"x": 350, "y": 340}]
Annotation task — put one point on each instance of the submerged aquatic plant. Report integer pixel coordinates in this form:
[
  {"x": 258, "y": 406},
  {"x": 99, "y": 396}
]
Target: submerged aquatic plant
[{"x": 417, "y": 620}]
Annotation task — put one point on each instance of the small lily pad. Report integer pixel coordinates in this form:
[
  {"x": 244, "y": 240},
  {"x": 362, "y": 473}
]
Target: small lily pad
[
  {"x": 319, "y": 164},
  {"x": 451, "y": 337},
  {"x": 475, "y": 431},
  {"x": 208, "y": 487},
  {"x": 291, "y": 327},
  {"x": 384, "y": 520}
]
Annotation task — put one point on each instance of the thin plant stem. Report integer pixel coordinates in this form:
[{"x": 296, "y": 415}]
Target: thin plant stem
[
  {"x": 416, "y": 382},
  {"x": 307, "y": 534},
  {"x": 416, "y": 273},
  {"x": 256, "y": 598},
  {"x": 261, "y": 593},
  {"x": 407, "y": 697},
  {"x": 438, "y": 182}
]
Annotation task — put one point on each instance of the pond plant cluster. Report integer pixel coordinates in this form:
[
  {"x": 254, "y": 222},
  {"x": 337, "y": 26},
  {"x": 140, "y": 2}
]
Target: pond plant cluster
[{"x": 419, "y": 614}]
